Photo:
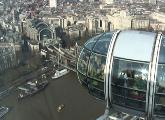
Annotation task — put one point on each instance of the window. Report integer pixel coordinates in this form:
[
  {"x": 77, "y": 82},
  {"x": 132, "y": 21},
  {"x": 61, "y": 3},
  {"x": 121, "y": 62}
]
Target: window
[
  {"x": 83, "y": 61},
  {"x": 129, "y": 83},
  {"x": 96, "y": 66},
  {"x": 100, "y": 23},
  {"x": 160, "y": 82},
  {"x": 89, "y": 45},
  {"x": 102, "y": 44},
  {"x": 82, "y": 78}
]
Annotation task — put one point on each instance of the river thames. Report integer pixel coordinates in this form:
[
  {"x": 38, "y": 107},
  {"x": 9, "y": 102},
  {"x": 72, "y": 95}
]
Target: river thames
[{"x": 78, "y": 104}]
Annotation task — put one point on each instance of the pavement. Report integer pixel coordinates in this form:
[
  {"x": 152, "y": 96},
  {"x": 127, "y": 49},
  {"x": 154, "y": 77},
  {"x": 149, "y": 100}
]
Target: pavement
[{"x": 65, "y": 92}]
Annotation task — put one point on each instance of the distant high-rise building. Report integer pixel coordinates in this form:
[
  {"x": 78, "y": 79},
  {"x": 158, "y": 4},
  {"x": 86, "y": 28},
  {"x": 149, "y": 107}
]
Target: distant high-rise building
[
  {"x": 15, "y": 16},
  {"x": 91, "y": 1},
  {"x": 131, "y": 1},
  {"x": 109, "y": 1},
  {"x": 153, "y": 2},
  {"x": 53, "y": 3}
]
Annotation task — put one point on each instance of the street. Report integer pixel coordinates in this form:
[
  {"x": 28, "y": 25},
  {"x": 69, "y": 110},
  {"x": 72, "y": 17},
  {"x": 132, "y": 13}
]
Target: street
[{"x": 78, "y": 104}]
